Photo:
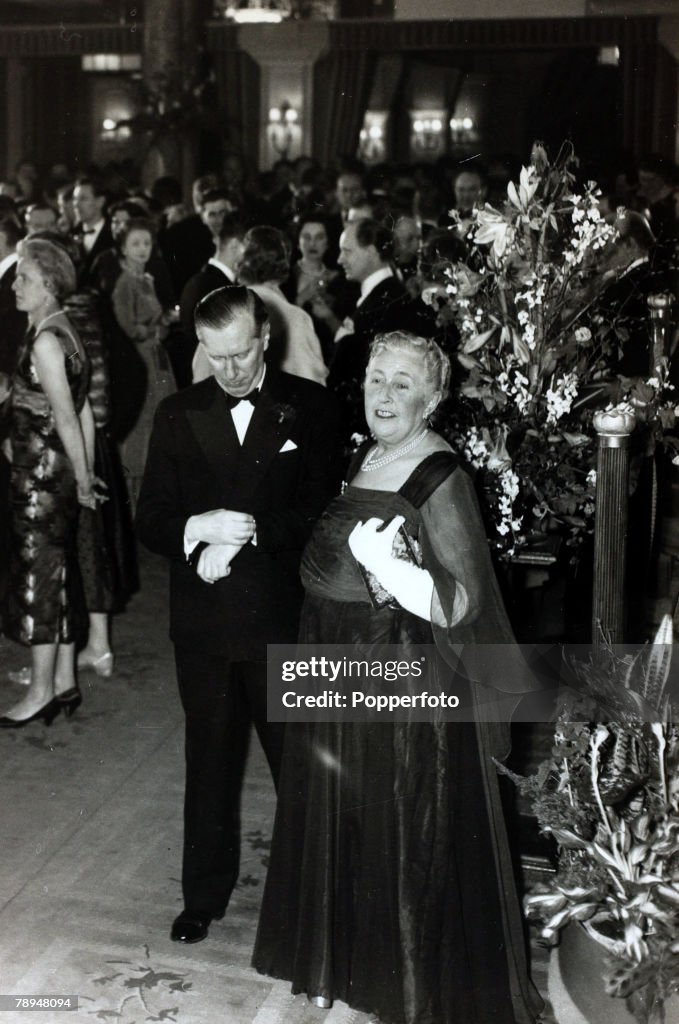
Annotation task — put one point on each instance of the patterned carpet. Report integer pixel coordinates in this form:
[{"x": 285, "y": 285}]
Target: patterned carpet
[{"x": 91, "y": 841}]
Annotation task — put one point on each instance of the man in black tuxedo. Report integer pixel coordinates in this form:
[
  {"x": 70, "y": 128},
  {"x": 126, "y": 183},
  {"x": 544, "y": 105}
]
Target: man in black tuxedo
[
  {"x": 230, "y": 494},
  {"x": 218, "y": 272},
  {"x": 187, "y": 244},
  {"x": 13, "y": 322},
  {"x": 366, "y": 251},
  {"x": 349, "y": 192},
  {"x": 92, "y": 229},
  {"x": 623, "y": 307}
]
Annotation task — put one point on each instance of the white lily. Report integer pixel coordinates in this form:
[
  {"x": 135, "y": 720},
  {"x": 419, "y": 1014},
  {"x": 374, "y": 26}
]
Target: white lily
[{"x": 528, "y": 185}]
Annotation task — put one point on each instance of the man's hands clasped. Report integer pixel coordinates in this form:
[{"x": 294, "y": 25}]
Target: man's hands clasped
[
  {"x": 225, "y": 532},
  {"x": 215, "y": 561},
  {"x": 221, "y": 526}
]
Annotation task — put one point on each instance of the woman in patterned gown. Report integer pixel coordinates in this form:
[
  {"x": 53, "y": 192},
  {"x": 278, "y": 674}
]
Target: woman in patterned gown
[
  {"x": 51, "y": 435},
  {"x": 390, "y": 883}
]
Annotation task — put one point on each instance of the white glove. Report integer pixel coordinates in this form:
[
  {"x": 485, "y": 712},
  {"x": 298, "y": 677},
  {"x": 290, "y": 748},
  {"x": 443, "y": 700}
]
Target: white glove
[{"x": 412, "y": 587}]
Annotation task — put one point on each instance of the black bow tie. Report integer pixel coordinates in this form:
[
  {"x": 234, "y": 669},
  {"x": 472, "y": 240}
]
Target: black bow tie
[{"x": 233, "y": 400}]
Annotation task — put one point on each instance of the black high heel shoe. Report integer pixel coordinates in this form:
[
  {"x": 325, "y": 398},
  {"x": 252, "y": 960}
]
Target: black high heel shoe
[
  {"x": 47, "y": 713},
  {"x": 70, "y": 700}
]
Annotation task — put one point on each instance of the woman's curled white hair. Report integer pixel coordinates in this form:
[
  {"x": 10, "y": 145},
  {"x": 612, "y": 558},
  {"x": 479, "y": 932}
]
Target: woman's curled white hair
[{"x": 435, "y": 361}]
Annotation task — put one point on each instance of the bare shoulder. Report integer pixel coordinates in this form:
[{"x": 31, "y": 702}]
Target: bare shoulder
[{"x": 48, "y": 346}]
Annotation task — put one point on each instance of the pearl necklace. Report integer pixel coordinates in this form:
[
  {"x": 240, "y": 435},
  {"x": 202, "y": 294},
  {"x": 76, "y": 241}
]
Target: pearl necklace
[{"x": 371, "y": 463}]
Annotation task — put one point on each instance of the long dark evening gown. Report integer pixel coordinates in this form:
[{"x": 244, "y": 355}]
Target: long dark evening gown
[
  {"x": 44, "y": 600},
  {"x": 390, "y": 884}
]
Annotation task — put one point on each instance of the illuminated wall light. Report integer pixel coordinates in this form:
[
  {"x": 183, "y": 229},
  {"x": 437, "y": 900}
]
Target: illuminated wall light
[
  {"x": 111, "y": 62},
  {"x": 283, "y": 131},
  {"x": 462, "y": 129},
  {"x": 427, "y": 137},
  {"x": 250, "y": 15},
  {"x": 609, "y": 55},
  {"x": 372, "y": 140},
  {"x": 108, "y": 124}
]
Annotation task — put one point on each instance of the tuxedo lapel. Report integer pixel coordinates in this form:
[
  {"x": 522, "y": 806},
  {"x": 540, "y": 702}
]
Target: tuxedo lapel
[
  {"x": 213, "y": 428},
  {"x": 267, "y": 432}
]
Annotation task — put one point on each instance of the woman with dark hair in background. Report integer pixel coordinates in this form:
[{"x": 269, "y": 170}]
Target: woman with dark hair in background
[
  {"x": 139, "y": 313},
  {"x": 108, "y": 265},
  {"x": 321, "y": 290}
]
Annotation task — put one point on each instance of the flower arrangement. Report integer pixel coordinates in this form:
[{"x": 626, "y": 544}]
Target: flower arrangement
[
  {"x": 609, "y": 796},
  {"x": 538, "y": 352}
]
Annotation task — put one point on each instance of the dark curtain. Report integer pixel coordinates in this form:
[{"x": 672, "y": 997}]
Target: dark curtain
[
  {"x": 342, "y": 85},
  {"x": 416, "y": 68},
  {"x": 238, "y": 87},
  {"x": 665, "y": 103},
  {"x": 638, "y": 60},
  {"x": 3, "y": 116},
  {"x": 581, "y": 100},
  {"x": 56, "y": 111}
]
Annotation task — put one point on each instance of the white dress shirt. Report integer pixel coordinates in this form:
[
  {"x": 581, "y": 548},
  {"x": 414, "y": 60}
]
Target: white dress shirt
[
  {"x": 226, "y": 271},
  {"x": 241, "y": 414},
  {"x": 371, "y": 282},
  {"x": 91, "y": 234},
  {"x": 8, "y": 262}
]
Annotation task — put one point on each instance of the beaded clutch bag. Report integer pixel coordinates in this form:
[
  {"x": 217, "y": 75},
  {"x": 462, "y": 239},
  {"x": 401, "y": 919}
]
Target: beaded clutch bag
[{"x": 407, "y": 549}]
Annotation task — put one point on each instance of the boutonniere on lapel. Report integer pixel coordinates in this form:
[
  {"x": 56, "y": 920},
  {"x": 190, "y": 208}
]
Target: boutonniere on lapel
[{"x": 284, "y": 413}]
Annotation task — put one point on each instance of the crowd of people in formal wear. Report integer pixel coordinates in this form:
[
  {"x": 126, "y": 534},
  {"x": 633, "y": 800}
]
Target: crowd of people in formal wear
[{"x": 255, "y": 382}]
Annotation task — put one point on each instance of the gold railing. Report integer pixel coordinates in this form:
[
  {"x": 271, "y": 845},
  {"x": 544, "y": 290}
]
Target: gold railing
[{"x": 614, "y": 429}]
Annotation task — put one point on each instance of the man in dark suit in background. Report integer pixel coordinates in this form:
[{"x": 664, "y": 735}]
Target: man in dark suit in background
[
  {"x": 188, "y": 243},
  {"x": 92, "y": 229},
  {"x": 366, "y": 251},
  {"x": 13, "y": 323},
  {"x": 623, "y": 307},
  {"x": 218, "y": 272},
  {"x": 230, "y": 494}
]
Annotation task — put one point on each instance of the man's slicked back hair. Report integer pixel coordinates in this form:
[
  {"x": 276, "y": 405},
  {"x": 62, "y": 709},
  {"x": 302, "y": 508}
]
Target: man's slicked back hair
[{"x": 224, "y": 305}]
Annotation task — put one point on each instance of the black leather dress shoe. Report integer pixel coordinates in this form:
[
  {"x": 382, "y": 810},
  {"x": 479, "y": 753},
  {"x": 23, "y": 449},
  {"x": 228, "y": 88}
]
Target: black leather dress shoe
[{"x": 190, "y": 926}]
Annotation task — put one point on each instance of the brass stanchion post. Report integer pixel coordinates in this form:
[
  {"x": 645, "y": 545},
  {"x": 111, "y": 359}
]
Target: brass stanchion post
[{"x": 613, "y": 428}]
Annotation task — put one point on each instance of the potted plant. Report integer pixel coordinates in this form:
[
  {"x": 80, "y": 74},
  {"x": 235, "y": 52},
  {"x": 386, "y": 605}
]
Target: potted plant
[{"x": 608, "y": 795}]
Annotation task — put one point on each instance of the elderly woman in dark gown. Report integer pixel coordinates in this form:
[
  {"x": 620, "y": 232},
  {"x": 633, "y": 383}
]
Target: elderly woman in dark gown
[{"x": 390, "y": 885}]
